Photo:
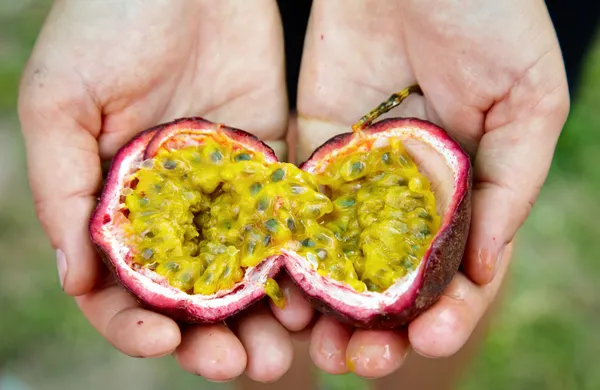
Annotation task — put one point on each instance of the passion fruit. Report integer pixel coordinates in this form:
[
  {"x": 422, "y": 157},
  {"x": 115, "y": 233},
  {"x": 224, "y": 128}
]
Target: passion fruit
[{"x": 196, "y": 219}]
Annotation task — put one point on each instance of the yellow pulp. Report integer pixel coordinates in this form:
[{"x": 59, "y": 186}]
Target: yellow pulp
[{"x": 202, "y": 214}]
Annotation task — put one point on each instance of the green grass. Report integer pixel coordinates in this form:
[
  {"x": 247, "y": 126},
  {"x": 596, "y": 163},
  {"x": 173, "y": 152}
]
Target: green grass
[{"x": 546, "y": 337}]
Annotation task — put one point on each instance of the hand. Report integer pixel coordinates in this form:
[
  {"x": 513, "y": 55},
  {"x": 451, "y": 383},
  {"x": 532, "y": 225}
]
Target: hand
[
  {"x": 493, "y": 77},
  {"x": 100, "y": 73}
]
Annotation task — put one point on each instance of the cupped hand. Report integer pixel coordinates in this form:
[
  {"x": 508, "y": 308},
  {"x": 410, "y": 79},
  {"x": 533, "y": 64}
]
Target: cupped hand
[
  {"x": 103, "y": 71},
  {"x": 493, "y": 77}
]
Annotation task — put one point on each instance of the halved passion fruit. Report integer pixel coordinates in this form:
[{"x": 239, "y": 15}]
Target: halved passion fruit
[{"x": 196, "y": 219}]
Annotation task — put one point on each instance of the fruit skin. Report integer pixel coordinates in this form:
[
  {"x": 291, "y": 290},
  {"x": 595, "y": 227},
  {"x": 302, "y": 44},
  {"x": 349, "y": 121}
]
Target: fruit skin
[
  {"x": 162, "y": 298},
  {"x": 437, "y": 268},
  {"x": 441, "y": 260}
]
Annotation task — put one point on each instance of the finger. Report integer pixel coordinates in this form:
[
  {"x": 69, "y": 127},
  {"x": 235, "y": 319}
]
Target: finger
[
  {"x": 64, "y": 170},
  {"x": 374, "y": 354},
  {"x": 513, "y": 160},
  {"x": 268, "y": 346},
  {"x": 443, "y": 329},
  {"x": 130, "y": 329},
  {"x": 211, "y": 351},
  {"x": 297, "y": 312},
  {"x": 328, "y": 343}
]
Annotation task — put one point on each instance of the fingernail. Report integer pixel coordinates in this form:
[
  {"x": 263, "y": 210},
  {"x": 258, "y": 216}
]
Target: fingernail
[
  {"x": 61, "y": 263},
  {"x": 499, "y": 260}
]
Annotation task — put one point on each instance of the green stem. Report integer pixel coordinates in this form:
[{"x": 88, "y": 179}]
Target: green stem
[{"x": 391, "y": 102}]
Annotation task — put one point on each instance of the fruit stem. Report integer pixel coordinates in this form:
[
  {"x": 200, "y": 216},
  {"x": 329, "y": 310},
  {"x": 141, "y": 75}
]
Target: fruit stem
[{"x": 391, "y": 102}]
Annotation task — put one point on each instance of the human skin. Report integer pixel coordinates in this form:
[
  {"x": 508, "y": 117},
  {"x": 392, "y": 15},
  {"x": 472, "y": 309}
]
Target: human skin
[
  {"x": 101, "y": 72},
  {"x": 492, "y": 76}
]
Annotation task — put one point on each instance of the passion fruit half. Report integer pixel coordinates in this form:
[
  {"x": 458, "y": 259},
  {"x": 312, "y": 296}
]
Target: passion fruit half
[{"x": 196, "y": 219}]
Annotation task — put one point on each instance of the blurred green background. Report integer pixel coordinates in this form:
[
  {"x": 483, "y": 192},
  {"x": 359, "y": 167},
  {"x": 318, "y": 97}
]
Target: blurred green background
[{"x": 547, "y": 335}]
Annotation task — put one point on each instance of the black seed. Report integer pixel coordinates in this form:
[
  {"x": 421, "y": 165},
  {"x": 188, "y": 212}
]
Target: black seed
[
  {"x": 147, "y": 253},
  {"x": 242, "y": 157},
  {"x": 313, "y": 210},
  {"x": 263, "y": 203},
  {"x": 357, "y": 167},
  {"x": 196, "y": 158},
  {"x": 370, "y": 285},
  {"x": 184, "y": 176},
  {"x": 407, "y": 263},
  {"x": 255, "y": 188},
  {"x": 346, "y": 202},
  {"x": 277, "y": 175},
  {"x": 216, "y": 156},
  {"x": 272, "y": 225},
  {"x": 307, "y": 242},
  {"x": 170, "y": 164},
  {"x": 322, "y": 237},
  {"x": 171, "y": 266},
  {"x": 416, "y": 195},
  {"x": 251, "y": 247},
  {"x": 403, "y": 161},
  {"x": 152, "y": 266},
  {"x": 267, "y": 240},
  {"x": 227, "y": 224},
  {"x": 291, "y": 224},
  {"x": 422, "y": 213},
  {"x": 386, "y": 158},
  {"x": 185, "y": 277}
]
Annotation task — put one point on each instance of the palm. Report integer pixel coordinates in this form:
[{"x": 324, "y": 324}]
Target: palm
[
  {"x": 189, "y": 63},
  {"x": 372, "y": 49}
]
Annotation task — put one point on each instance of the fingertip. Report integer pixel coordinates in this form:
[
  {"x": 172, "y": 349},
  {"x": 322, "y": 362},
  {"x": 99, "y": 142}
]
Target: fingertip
[
  {"x": 141, "y": 333},
  {"x": 374, "y": 354},
  {"x": 438, "y": 334},
  {"x": 81, "y": 277},
  {"x": 444, "y": 328},
  {"x": 78, "y": 261},
  {"x": 328, "y": 344},
  {"x": 297, "y": 312},
  {"x": 268, "y": 346},
  {"x": 213, "y": 352}
]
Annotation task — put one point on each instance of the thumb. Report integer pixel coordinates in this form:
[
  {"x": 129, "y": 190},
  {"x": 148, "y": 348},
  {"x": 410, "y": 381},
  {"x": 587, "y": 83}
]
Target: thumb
[
  {"x": 64, "y": 174},
  {"x": 511, "y": 165}
]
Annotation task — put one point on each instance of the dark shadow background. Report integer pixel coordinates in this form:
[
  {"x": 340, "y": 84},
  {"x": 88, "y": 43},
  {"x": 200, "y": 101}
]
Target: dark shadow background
[{"x": 575, "y": 22}]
